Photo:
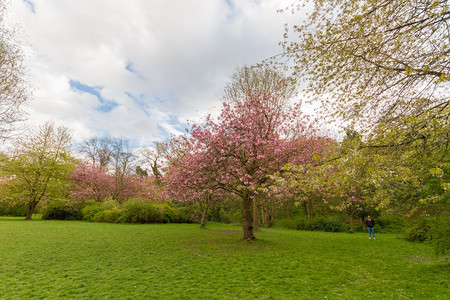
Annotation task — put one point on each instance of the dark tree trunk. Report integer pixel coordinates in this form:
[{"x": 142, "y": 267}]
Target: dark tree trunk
[
  {"x": 268, "y": 214},
  {"x": 247, "y": 216},
  {"x": 288, "y": 206},
  {"x": 204, "y": 208},
  {"x": 362, "y": 222},
  {"x": 30, "y": 210},
  {"x": 352, "y": 219},
  {"x": 309, "y": 209},
  {"x": 256, "y": 216}
]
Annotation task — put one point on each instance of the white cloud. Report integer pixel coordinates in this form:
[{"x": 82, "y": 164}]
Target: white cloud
[{"x": 161, "y": 62}]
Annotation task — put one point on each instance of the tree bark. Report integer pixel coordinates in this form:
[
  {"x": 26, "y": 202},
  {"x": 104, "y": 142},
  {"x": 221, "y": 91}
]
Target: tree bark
[
  {"x": 268, "y": 214},
  {"x": 204, "y": 209},
  {"x": 352, "y": 220},
  {"x": 362, "y": 222},
  {"x": 247, "y": 216},
  {"x": 309, "y": 209},
  {"x": 256, "y": 215},
  {"x": 30, "y": 210}
]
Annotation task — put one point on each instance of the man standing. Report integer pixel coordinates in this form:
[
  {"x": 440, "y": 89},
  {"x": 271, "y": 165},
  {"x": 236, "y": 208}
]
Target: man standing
[{"x": 370, "y": 223}]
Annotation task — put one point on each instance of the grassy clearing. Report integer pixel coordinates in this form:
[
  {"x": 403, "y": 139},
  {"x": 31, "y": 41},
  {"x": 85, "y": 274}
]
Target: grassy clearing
[{"x": 80, "y": 260}]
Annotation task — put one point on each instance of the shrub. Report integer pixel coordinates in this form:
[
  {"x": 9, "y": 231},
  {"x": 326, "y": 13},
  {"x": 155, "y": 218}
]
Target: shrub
[
  {"x": 440, "y": 235},
  {"x": 169, "y": 214},
  {"x": 90, "y": 210},
  {"x": 288, "y": 223},
  {"x": 419, "y": 230},
  {"x": 220, "y": 214},
  {"x": 150, "y": 213},
  {"x": 188, "y": 214},
  {"x": 329, "y": 223},
  {"x": 299, "y": 223},
  {"x": 62, "y": 210},
  {"x": 130, "y": 211},
  {"x": 332, "y": 224},
  {"x": 107, "y": 216},
  {"x": 110, "y": 204},
  {"x": 136, "y": 211},
  {"x": 390, "y": 224},
  {"x": 435, "y": 231},
  {"x": 13, "y": 210}
]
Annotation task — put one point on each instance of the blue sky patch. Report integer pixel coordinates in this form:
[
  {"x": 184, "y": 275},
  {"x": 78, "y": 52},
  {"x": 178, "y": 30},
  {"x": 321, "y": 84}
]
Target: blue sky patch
[
  {"x": 105, "y": 105},
  {"x": 175, "y": 123},
  {"x": 30, "y": 5},
  {"x": 129, "y": 67},
  {"x": 139, "y": 102}
]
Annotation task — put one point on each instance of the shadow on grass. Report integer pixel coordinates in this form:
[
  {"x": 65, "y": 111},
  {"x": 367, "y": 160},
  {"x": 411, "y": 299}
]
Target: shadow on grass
[{"x": 9, "y": 218}]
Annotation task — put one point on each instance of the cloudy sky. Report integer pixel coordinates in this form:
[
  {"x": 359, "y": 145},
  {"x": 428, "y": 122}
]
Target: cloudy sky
[{"x": 139, "y": 69}]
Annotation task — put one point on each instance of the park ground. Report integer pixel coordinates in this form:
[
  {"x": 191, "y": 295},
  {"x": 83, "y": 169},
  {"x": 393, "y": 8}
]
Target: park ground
[{"x": 82, "y": 260}]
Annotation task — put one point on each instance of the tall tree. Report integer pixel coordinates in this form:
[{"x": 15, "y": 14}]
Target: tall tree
[
  {"x": 268, "y": 83},
  {"x": 261, "y": 83},
  {"x": 188, "y": 177},
  {"x": 383, "y": 65},
  {"x": 115, "y": 156},
  {"x": 247, "y": 143},
  {"x": 122, "y": 157},
  {"x": 98, "y": 150},
  {"x": 152, "y": 157},
  {"x": 91, "y": 182},
  {"x": 14, "y": 90},
  {"x": 40, "y": 166},
  {"x": 374, "y": 61}
]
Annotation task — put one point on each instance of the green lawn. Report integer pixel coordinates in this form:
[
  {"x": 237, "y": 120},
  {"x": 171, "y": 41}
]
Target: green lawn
[{"x": 81, "y": 260}]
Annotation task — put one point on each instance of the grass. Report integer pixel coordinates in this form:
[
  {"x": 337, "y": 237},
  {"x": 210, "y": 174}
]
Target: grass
[{"x": 80, "y": 260}]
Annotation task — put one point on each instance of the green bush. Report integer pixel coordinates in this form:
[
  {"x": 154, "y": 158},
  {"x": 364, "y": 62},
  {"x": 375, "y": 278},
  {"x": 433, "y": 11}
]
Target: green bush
[
  {"x": 440, "y": 235},
  {"x": 298, "y": 223},
  {"x": 130, "y": 211},
  {"x": 419, "y": 230},
  {"x": 390, "y": 224},
  {"x": 358, "y": 228},
  {"x": 333, "y": 224},
  {"x": 169, "y": 214},
  {"x": 13, "y": 210},
  {"x": 188, "y": 214},
  {"x": 110, "y": 204},
  {"x": 221, "y": 214},
  {"x": 435, "y": 231},
  {"x": 90, "y": 210},
  {"x": 288, "y": 223},
  {"x": 107, "y": 216},
  {"x": 329, "y": 223},
  {"x": 62, "y": 210},
  {"x": 136, "y": 211},
  {"x": 150, "y": 213}
]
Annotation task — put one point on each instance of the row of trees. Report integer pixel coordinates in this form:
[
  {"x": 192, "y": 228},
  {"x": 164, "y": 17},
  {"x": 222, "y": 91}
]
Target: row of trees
[
  {"x": 41, "y": 168},
  {"x": 381, "y": 67}
]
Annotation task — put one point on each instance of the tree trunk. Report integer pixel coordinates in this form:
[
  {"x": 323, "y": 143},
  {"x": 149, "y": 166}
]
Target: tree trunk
[
  {"x": 362, "y": 222},
  {"x": 352, "y": 220},
  {"x": 256, "y": 216},
  {"x": 270, "y": 217},
  {"x": 309, "y": 209},
  {"x": 288, "y": 208},
  {"x": 204, "y": 208},
  {"x": 247, "y": 216},
  {"x": 203, "y": 219},
  {"x": 30, "y": 210}
]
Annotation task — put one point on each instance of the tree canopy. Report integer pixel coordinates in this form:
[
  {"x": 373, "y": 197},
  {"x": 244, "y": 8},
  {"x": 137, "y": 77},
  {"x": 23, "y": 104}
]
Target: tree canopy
[
  {"x": 374, "y": 61},
  {"x": 14, "y": 89},
  {"x": 39, "y": 167}
]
